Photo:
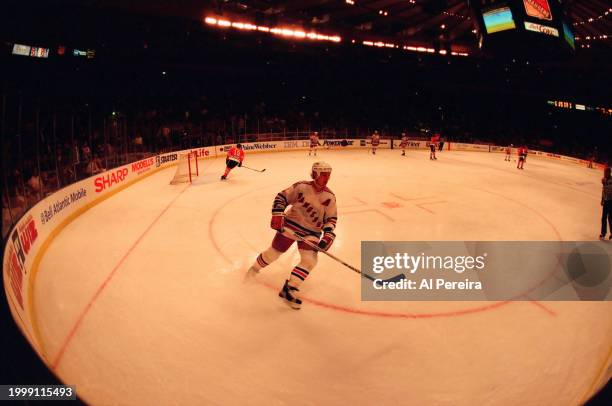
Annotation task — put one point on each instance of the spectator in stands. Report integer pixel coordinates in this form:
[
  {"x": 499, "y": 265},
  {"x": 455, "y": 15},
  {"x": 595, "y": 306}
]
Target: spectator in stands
[
  {"x": 35, "y": 182},
  {"x": 138, "y": 143},
  {"x": 109, "y": 154},
  {"x": 13, "y": 207},
  {"x": 67, "y": 174},
  {"x": 86, "y": 151},
  {"x": 33, "y": 185},
  {"x": 94, "y": 166},
  {"x": 164, "y": 140}
]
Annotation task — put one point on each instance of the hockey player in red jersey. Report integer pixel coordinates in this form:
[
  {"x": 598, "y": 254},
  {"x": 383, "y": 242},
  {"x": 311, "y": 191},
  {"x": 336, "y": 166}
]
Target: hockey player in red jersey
[
  {"x": 314, "y": 143},
  {"x": 432, "y": 146},
  {"x": 312, "y": 213},
  {"x": 522, "y": 153},
  {"x": 234, "y": 158},
  {"x": 508, "y": 153},
  {"x": 375, "y": 141},
  {"x": 404, "y": 144}
]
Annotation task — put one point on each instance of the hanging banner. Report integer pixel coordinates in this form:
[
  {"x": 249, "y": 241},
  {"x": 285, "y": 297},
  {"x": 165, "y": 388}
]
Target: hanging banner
[{"x": 538, "y": 9}]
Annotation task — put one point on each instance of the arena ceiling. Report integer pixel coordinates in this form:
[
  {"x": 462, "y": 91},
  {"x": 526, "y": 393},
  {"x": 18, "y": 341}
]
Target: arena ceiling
[{"x": 400, "y": 21}]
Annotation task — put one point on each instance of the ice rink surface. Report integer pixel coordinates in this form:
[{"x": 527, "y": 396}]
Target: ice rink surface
[{"x": 141, "y": 300}]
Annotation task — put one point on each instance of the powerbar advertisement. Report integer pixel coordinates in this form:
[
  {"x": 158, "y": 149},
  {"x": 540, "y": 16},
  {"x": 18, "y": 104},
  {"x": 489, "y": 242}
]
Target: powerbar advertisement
[{"x": 486, "y": 270}]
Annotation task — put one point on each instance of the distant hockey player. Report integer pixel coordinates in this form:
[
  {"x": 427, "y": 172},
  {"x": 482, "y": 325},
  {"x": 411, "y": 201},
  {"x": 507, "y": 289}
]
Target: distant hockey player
[
  {"x": 432, "y": 146},
  {"x": 606, "y": 203},
  {"x": 312, "y": 212},
  {"x": 522, "y": 153},
  {"x": 508, "y": 153},
  {"x": 314, "y": 143},
  {"x": 375, "y": 141},
  {"x": 404, "y": 144},
  {"x": 234, "y": 158}
]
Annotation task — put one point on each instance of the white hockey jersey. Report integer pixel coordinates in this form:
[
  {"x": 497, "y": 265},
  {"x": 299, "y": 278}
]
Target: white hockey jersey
[{"x": 311, "y": 212}]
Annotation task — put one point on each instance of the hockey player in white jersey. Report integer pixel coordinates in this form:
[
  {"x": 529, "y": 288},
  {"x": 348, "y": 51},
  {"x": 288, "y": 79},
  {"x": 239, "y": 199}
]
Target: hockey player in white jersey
[{"x": 312, "y": 212}]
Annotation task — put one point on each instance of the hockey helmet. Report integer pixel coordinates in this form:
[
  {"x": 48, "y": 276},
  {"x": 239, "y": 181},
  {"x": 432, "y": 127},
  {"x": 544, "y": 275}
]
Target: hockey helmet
[
  {"x": 239, "y": 146},
  {"x": 318, "y": 168}
]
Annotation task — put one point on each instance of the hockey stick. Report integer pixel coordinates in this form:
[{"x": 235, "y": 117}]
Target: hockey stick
[
  {"x": 256, "y": 170},
  {"x": 314, "y": 246}
]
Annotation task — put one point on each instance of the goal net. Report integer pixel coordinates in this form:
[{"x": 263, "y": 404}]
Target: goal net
[{"x": 186, "y": 169}]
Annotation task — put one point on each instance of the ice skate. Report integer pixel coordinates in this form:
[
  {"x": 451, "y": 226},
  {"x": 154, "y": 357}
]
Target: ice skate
[
  {"x": 223, "y": 177},
  {"x": 603, "y": 237},
  {"x": 289, "y": 293}
]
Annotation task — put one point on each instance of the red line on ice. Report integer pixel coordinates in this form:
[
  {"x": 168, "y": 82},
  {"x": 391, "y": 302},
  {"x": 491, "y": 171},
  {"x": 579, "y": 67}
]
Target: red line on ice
[
  {"x": 543, "y": 307},
  {"x": 101, "y": 288}
]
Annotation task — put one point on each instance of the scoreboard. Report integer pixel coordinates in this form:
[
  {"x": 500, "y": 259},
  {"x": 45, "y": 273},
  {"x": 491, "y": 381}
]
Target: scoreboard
[{"x": 534, "y": 28}]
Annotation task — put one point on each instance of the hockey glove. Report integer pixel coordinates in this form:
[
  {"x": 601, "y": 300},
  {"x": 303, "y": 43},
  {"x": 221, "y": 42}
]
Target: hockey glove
[
  {"x": 277, "y": 222},
  {"x": 326, "y": 241}
]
